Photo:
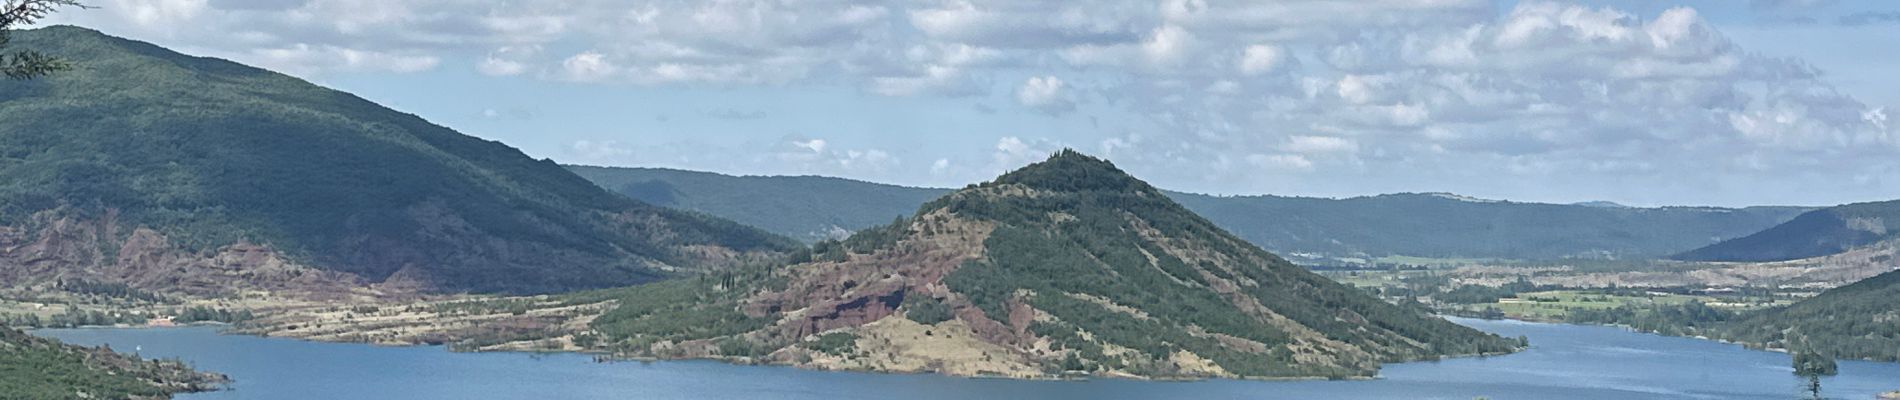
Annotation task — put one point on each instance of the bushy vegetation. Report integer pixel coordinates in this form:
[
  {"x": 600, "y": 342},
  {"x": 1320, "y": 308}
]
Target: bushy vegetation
[
  {"x": 864, "y": 242},
  {"x": 1808, "y": 363},
  {"x": 36, "y": 368},
  {"x": 210, "y": 153},
  {"x": 108, "y": 290},
  {"x": 835, "y": 343},
  {"x": 74, "y": 317},
  {"x": 704, "y": 307},
  {"x": 210, "y": 314},
  {"x": 1677, "y": 319},
  {"x": 927, "y": 310}
]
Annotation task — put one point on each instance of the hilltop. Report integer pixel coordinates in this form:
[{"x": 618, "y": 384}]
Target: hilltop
[
  {"x": 199, "y": 175},
  {"x": 1066, "y": 266}
]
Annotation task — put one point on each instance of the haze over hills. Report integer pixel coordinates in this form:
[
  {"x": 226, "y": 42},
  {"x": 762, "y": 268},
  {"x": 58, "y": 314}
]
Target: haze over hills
[
  {"x": 1813, "y": 234},
  {"x": 1064, "y": 265},
  {"x": 1414, "y": 224},
  {"x": 186, "y": 173}
]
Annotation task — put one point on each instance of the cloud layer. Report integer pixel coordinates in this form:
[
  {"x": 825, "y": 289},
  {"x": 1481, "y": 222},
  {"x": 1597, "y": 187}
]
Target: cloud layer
[{"x": 1542, "y": 100}]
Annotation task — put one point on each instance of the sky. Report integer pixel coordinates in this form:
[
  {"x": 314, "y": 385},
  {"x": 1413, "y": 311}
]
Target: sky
[{"x": 1727, "y": 103}]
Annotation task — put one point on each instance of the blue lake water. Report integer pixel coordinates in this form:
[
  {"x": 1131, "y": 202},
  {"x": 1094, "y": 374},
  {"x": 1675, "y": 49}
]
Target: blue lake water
[{"x": 1565, "y": 362}]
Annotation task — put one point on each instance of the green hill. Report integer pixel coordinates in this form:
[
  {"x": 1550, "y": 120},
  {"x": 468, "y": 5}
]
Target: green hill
[
  {"x": 37, "y": 368},
  {"x": 1064, "y": 266},
  {"x": 1417, "y": 224},
  {"x": 209, "y": 153},
  {"x": 1813, "y": 234},
  {"x": 1857, "y": 321}
]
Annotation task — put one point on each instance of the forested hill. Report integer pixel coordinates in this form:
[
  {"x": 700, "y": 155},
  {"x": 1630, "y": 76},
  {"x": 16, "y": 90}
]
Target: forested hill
[
  {"x": 1423, "y": 224},
  {"x": 1064, "y": 265},
  {"x": 207, "y": 154},
  {"x": 1816, "y": 233},
  {"x": 1858, "y": 321},
  {"x": 38, "y": 368}
]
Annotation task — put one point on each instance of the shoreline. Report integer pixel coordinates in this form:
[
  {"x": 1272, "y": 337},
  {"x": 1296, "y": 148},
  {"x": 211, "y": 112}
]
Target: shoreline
[
  {"x": 608, "y": 357},
  {"x": 1744, "y": 345}
]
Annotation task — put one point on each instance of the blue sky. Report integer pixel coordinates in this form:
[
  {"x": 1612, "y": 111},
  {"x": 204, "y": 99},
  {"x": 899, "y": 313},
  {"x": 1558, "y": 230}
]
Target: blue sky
[{"x": 1639, "y": 102}]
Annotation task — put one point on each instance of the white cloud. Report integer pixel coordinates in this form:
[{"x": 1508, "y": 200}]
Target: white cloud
[
  {"x": 507, "y": 60},
  {"x": 1047, "y": 94},
  {"x": 588, "y": 66},
  {"x": 158, "y": 13},
  {"x": 1320, "y": 144},
  {"x": 1281, "y": 162},
  {"x": 498, "y": 67},
  {"x": 1013, "y": 152},
  {"x": 815, "y": 145},
  {"x": 1260, "y": 58},
  {"x": 940, "y": 167},
  {"x": 305, "y": 58}
]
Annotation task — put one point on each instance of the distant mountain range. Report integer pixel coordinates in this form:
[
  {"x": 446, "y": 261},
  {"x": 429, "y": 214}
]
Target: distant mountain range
[
  {"x": 164, "y": 170},
  {"x": 1414, "y": 224},
  {"x": 1064, "y": 266},
  {"x": 1816, "y": 233}
]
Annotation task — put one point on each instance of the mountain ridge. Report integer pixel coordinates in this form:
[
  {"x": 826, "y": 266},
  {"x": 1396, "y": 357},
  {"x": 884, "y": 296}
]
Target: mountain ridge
[
  {"x": 1817, "y": 233},
  {"x": 814, "y": 208}
]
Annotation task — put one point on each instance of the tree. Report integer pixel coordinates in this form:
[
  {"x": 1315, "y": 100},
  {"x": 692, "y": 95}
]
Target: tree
[
  {"x": 1813, "y": 366},
  {"x": 1810, "y": 363},
  {"x": 28, "y": 64}
]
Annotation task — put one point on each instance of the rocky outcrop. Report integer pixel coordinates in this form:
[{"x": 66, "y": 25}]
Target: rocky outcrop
[
  {"x": 50, "y": 248},
  {"x": 829, "y": 295}
]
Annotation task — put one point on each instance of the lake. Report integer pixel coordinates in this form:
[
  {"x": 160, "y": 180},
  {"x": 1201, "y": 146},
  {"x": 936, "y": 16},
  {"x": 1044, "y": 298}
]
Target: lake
[{"x": 1565, "y": 362}]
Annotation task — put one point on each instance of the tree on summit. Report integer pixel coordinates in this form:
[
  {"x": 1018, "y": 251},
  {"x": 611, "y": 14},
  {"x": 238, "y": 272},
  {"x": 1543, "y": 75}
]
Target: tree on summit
[{"x": 28, "y": 64}]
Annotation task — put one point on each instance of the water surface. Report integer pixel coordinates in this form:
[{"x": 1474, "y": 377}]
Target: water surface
[{"x": 1565, "y": 362}]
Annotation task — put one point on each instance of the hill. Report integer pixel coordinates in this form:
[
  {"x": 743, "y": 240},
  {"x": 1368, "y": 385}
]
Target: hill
[
  {"x": 1813, "y": 234},
  {"x": 38, "y": 368},
  {"x": 1857, "y": 321},
  {"x": 186, "y": 173},
  {"x": 1415, "y": 224},
  {"x": 1064, "y": 266}
]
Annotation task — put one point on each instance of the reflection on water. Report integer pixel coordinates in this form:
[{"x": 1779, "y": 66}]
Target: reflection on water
[{"x": 1566, "y": 362}]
